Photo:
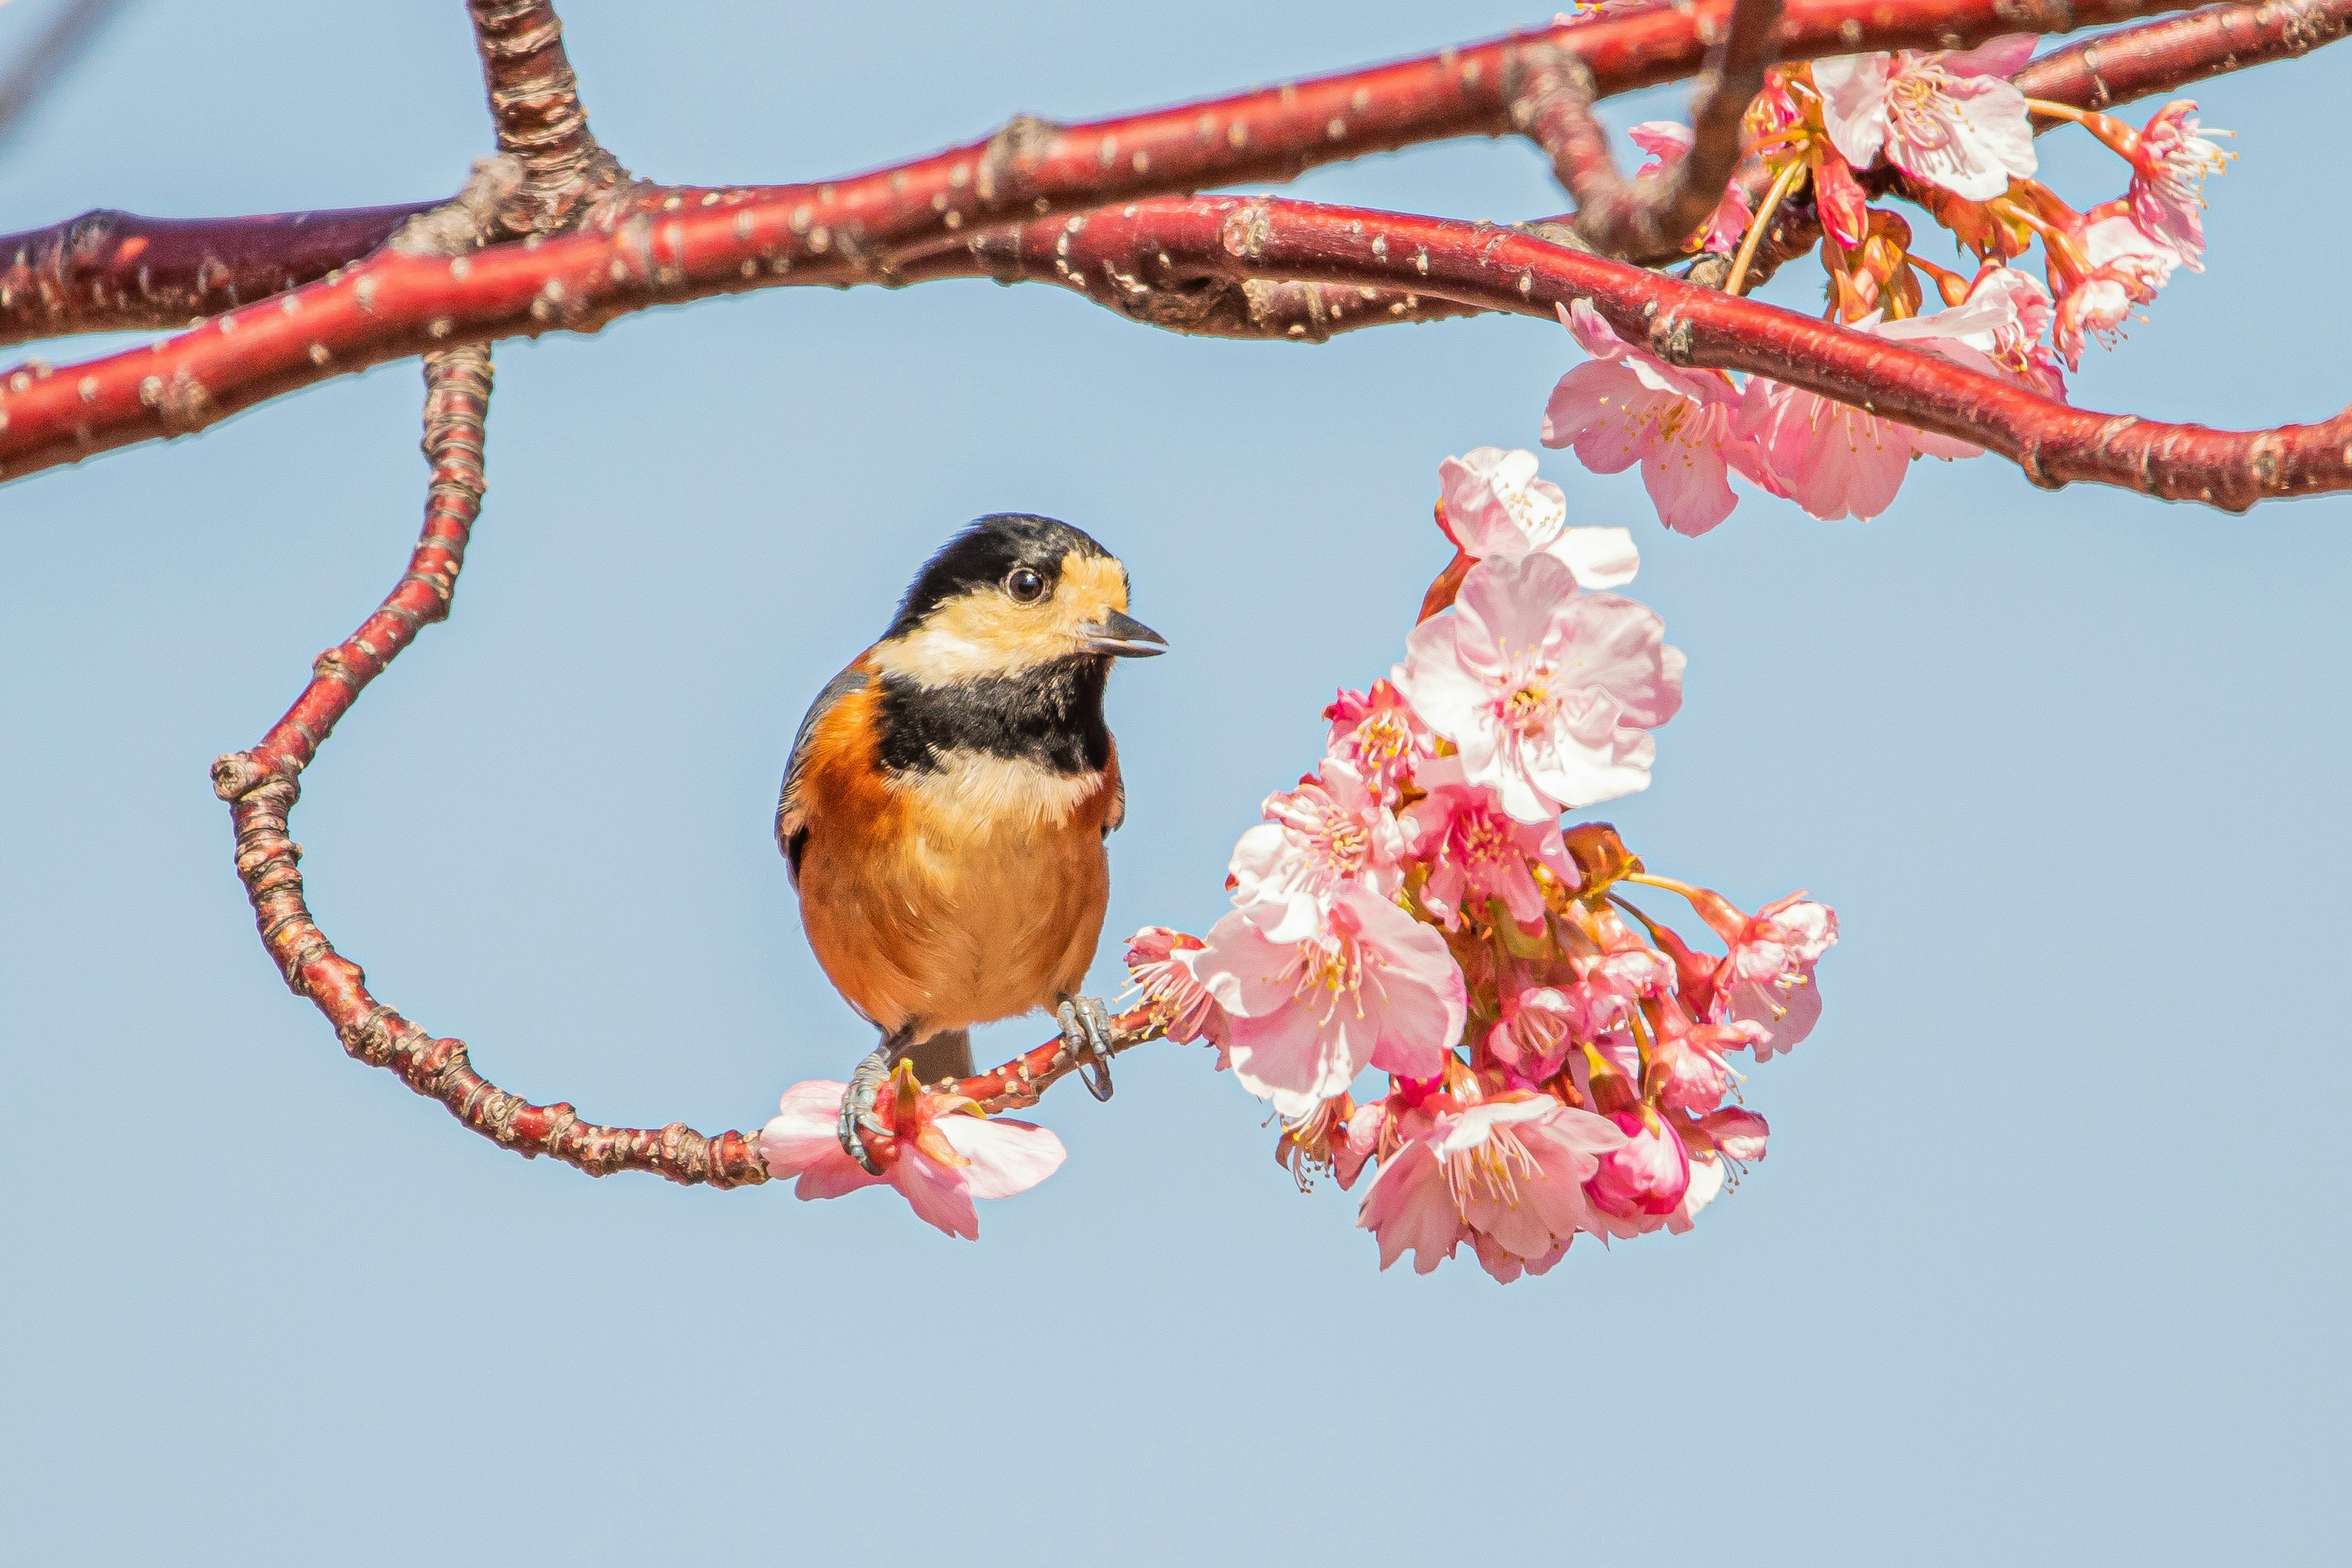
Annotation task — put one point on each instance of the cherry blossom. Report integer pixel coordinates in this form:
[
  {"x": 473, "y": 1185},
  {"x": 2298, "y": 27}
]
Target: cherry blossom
[
  {"x": 1767, "y": 979},
  {"x": 1542, "y": 1023},
  {"x": 2122, "y": 268},
  {"x": 1549, "y": 694},
  {"x": 1159, "y": 962},
  {"x": 952, "y": 1156},
  {"x": 1644, "y": 1180},
  {"x": 1378, "y": 734},
  {"x": 1495, "y": 506},
  {"x": 1627, "y": 407},
  {"x": 2004, "y": 318},
  {"x": 1511, "y": 1170},
  {"x": 1738, "y": 1132},
  {"x": 1952, "y": 119},
  {"x": 1371, "y": 987},
  {"x": 1332, "y": 828},
  {"x": 1475, "y": 851},
  {"x": 1835, "y": 459},
  {"x": 2169, "y": 165}
]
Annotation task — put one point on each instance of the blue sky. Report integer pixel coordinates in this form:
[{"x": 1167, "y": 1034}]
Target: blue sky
[{"x": 2046, "y": 1262}]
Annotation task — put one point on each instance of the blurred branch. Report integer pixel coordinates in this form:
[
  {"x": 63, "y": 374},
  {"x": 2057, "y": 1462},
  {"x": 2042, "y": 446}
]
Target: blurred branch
[
  {"x": 75, "y": 27},
  {"x": 1649, "y": 220}
]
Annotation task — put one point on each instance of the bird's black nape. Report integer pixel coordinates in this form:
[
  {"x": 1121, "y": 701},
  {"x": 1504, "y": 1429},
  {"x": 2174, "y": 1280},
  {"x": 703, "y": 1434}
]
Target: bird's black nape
[{"x": 980, "y": 555}]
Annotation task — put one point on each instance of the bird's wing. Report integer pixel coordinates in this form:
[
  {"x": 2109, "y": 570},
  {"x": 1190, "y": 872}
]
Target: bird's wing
[{"x": 792, "y": 812}]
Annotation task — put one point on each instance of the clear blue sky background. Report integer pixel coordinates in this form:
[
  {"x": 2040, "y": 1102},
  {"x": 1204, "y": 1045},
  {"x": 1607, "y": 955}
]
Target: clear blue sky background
[{"x": 2046, "y": 1264}]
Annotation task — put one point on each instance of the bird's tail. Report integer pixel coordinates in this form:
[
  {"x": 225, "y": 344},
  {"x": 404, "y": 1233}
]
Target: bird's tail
[{"x": 947, "y": 1054}]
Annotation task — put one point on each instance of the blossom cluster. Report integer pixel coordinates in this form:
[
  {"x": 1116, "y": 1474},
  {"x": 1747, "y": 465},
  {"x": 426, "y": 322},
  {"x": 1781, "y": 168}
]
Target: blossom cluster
[
  {"x": 1950, "y": 133},
  {"x": 1557, "y": 1060}
]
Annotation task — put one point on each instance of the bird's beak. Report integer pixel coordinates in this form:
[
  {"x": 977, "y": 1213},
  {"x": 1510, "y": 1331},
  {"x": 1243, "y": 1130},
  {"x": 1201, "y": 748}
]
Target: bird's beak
[{"x": 1121, "y": 636}]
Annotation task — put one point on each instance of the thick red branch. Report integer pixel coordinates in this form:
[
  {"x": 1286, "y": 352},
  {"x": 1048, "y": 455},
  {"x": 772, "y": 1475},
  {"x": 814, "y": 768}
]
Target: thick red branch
[
  {"x": 395, "y": 305},
  {"x": 1032, "y": 168}
]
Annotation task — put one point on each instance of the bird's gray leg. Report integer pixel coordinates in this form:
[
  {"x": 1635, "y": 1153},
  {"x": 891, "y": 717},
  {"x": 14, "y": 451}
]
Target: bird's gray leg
[
  {"x": 857, "y": 1103},
  {"x": 1085, "y": 1029}
]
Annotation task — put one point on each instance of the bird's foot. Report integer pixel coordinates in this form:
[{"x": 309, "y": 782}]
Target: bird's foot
[
  {"x": 1085, "y": 1029},
  {"x": 857, "y": 1118}
]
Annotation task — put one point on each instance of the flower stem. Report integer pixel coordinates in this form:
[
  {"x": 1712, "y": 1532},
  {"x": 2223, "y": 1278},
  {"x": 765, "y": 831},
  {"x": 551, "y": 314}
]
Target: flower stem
[{"x": 1772, "y": 199}]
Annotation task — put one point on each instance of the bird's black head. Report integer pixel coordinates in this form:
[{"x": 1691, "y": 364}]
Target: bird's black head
[{"x": 1010, "y": 593}]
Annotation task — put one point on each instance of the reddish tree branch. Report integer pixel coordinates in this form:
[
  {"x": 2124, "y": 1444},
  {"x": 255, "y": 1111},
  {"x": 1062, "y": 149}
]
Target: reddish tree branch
[
  {"x": 1154, "y": 292},
  {"x": 535, "y": 108},
  {"x": 111, "y": 270},
  {"x": 2164, "y": 55},
  {"x": 395, "y": 305},
  {"x": 261, "y": 786},
  {"x": 1032, "y": 168}
]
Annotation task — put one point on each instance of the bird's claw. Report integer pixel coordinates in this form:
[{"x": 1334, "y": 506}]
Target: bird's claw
[
  {"x": 857, "y": 1108},
  {"x": 1085, "y": 1029}
]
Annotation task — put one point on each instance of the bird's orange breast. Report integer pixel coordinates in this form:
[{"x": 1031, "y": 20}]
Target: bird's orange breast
[{"x": 953, "y": 896}]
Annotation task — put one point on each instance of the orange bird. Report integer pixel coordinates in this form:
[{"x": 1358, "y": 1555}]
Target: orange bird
[{"x": 949, "y": 794}]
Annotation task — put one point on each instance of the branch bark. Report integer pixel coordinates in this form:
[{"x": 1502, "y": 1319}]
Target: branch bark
[
  {"x": 397, "y": 305},
  {"x": 535, "y": 109},
  {"x": 2165, "y": 56},
  {"x": 1032, "y": 168}
]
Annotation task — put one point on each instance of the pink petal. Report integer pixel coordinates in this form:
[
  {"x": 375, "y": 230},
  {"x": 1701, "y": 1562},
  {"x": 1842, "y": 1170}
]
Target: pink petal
[
  {"x": 1853, "y": 104},
  {"x": 807, "y": 1129},
  {"x": 1599, "y": 557},
  {"x": 937, "y": 1196},
  {"x": 2002, "y": 56},
  {"x": 832, "y": 1176},
  {"x": 1007, "y": 1156}
]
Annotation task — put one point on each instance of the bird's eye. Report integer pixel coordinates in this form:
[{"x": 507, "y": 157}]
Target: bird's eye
[{"x": 1024, "y": 584}]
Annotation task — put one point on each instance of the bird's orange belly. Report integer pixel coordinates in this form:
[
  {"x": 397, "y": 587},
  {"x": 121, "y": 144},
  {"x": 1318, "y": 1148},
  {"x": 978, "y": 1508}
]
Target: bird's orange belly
[{"x": 966, "y": 897}]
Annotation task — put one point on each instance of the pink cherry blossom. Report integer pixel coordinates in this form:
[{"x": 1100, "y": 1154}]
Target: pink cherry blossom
[
  {"x": 1371, "y": 987},
  {"x": 2124, "y": 267},
  {"x": 1542, "y": 1023},
  {"x": 2004, "y": 318},
  {"x": 1642, "y": 1182},
  {"x": 1159, "y": 962},
  {"x": 1627, "y": 408},
  {"x": 1686, "y": 1060},
  {"x": 2169, "y": 165},
  {"x": 1476, "y": 851},
  {"x": 1332, "y": 828},
  {"x": 1668, "y": 142},
  {"x": 952, "y": 1157},
  {"x": 1511, "y": 1170},
  {"x": 1767, "y": 979},
  {"x": 1738, "y": 1132},
  {"x": 1952, "y": 119},
  {"x": 1495, "y": 506},
  {"x": 1548, "y": 695},
  {"x": 1835, "y": 459},
  {"x": 1378, "y": 734}
]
